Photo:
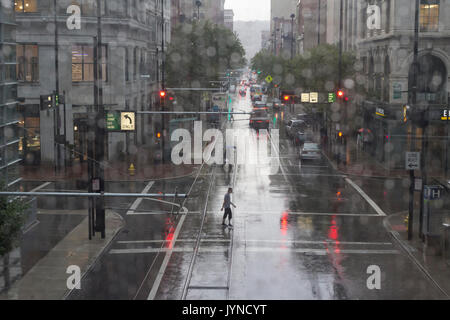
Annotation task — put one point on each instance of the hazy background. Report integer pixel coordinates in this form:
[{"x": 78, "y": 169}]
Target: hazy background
[{"x": 250, "y": 18}]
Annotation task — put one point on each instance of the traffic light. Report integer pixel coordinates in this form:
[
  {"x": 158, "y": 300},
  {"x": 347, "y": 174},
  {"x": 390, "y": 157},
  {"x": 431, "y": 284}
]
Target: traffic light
[
  {"x": 342, "y": 96},
  {"x": 46, "y": 102},
  {"x": 286, "y": 98},
  {"x": 162, "y": 94}
]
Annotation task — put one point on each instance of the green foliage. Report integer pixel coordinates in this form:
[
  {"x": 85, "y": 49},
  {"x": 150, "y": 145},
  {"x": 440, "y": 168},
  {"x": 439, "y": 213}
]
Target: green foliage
[
  {"x": 12, "y": 219},
  {"x": 315, "y": 70},
  {"x": 202, "y": 52}
]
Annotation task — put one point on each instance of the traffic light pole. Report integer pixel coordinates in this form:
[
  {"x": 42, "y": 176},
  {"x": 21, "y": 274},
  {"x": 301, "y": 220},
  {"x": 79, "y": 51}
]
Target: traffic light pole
[
  {"x": 163, "y": 84},
  {"x": 413, "y": 100},
  {"x": 100, "y": 125},
  {"x": 57, "y": 155}
]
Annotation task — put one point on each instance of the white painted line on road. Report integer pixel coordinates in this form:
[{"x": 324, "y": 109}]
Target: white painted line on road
[
  {"x": 366, "y": 197},
  {"x": 165, "y": 263},
  {"x": 248, "y": 250},
  {"x": 310, "y": 214},
  {"x": 138, "y": 201}
]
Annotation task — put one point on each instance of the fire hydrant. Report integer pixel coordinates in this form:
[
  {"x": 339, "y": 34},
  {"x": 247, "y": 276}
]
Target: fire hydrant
[{"x": 131, "y": 170}]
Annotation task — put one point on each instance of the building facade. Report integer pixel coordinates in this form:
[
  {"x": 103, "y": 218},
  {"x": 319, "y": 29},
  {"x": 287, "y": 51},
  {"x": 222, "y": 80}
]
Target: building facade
[
  {"x": 9, "y": 117},
  {"x": 283, "y": 25},
  {"x": 381, "y": 34},
  {"x": 131, "y": 71},
  {"x": 311, "y": 24},
  {"x": 229, "y": 19}
]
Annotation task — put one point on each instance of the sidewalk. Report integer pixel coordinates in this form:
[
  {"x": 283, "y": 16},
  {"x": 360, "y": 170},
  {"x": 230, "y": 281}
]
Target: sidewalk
[
  {"x": 434, "y": 266},
  {"x": 118, "y": 171},
  {"x": 47, "y": 279},
  {"x": 362, "y": 163}
]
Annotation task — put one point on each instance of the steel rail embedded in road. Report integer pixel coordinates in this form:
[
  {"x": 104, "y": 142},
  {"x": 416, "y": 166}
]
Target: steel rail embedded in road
[{"x": 92, "y": 195}]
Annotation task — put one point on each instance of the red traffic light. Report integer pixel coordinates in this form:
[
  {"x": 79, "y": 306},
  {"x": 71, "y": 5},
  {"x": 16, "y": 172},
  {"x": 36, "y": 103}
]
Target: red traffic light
[
  {"x": 158, "y": 135},
  {"x": 162, "y": 94},
  {"x": 286, "y": 98},
  {"x": 340, "y": 94}
]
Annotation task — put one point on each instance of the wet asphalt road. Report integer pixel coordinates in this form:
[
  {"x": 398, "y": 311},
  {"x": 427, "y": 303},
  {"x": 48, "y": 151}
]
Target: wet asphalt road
[{"x": 301, "y": 233}]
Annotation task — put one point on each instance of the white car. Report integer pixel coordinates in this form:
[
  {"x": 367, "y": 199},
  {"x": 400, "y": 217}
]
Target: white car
[{"x": 310, "y": 151}]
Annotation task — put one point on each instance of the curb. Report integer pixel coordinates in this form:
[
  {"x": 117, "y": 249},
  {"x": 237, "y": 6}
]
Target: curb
[
  {"x": 100, "y": 255},
  {"x": 409, "y": 251}
]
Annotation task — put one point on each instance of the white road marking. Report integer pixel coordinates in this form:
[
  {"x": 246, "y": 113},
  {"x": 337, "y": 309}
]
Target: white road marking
[
  {"x": 138, "y": 201},
  {"x": 248, "y": 250},
  {"x": 310, "y": 214},
  {"x": 366, "y": 197},
  {"x": 163, "y": 267},
  {"x": 325, "y": 241}
]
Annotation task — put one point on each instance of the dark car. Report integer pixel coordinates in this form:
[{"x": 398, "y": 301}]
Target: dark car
[{"x": 259, "y": 119}]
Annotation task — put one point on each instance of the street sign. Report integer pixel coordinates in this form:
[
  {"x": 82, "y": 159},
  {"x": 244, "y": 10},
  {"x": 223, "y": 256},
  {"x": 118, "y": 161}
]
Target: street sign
[
  {"x": 127, "y": 121},
  {"x": 305, "y": 97},
  {"x": 113, "y": 121},
  {"x": 412, "y": 160},
  {"x": 433, "y": 192},
  {"x": 314, "y": 97},
  {"x": 331, "y": 97},
  {"x": 269, "y": 79}
]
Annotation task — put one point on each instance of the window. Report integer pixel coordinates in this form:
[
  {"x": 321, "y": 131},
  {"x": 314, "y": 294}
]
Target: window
[
  {"x": 134, "y": 63},
  {"x": 25, "y": 5},
  {"x": 83, "y": 63},
  {"x": 127, "y": 65},
  {"x": 429, "y": 15},
  {"x": 27, "y": 62}
]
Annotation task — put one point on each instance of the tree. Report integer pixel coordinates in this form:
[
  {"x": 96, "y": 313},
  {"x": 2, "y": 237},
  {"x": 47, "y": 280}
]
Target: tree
[
  {"x": 315, "y": 70},
  {"x": 200, "y": 53},
  {"x": 12, "y": 219}
]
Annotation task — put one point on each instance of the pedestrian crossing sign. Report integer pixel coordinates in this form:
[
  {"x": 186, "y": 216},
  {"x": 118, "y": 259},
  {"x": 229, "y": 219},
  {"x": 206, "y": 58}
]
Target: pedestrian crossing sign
[{"x": 269, "y": 79}]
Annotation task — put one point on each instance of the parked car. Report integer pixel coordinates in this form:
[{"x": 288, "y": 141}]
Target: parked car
[
  {"x": 294, "y": 126},
  {"x": 310, "y": 151},
  {"x": 259, "y": 119},
  {"x": 259, "y": 105}
]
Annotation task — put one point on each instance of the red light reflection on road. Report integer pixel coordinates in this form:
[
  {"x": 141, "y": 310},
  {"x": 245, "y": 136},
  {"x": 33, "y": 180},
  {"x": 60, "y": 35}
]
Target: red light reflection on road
[
  {"x": 333, "y": 233},
  {"x": 284, "y": 223},
  {"x": 169, "y": 232}
]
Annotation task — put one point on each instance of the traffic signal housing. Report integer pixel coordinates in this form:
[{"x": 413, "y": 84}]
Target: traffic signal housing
[
  {"x": 46, "y": 102},
  {"x": 342, "y": 96}
]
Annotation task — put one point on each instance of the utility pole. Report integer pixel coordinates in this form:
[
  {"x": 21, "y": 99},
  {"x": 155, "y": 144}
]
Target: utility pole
[
  {"x": 318, "y": 25},
  {"x": 57, "y": 155},
  {"x": 413, "y": 101},
  {"x": 163, "y": 84},
  {"x": 292, "y": 36},
  {"x": 100, "y": 130}
]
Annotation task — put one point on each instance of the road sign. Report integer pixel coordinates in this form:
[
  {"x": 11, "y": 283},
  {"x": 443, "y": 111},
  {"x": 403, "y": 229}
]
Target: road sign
[
  {"x": 331, "y": 97},
  {"x": 127, "y": 121},
  {"x": 305, "y": 97},
  {"x": 433, "y": 192},
  {"x": 314, "y": 97},
  {"x": 113, "y": 121},
  {"x": 412, "y": 160},
  {"x": 269, "y": 79}
]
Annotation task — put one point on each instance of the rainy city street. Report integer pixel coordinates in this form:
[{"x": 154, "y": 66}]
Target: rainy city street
[{"x": 305, "y": 232}]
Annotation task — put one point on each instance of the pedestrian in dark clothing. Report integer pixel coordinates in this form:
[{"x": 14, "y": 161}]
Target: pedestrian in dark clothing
[{"x": 227, "y": 206}]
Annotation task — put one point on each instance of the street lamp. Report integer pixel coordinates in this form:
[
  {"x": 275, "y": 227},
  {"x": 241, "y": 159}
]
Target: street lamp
[
  {"x": 292, "y": 35},
  {"x": 198, "y": 3}
]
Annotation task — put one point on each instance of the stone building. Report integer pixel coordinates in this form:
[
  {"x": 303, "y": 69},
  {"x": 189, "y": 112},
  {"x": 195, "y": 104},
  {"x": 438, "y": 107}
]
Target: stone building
[
  {"x": 131, "y": 64},
  {"x": 9, "y": 118}
]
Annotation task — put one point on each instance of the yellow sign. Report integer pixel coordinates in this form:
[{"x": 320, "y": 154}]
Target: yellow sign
[
  {"x": 269, "y": 79},
  {"x": 314, "y": 97},
  {"x": 127, "y": 121},
  {"x": 305, "y": 97}
]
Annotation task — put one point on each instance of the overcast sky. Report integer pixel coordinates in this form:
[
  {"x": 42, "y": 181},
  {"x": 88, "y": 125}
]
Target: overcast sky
[{"x": 248, "y": 10}]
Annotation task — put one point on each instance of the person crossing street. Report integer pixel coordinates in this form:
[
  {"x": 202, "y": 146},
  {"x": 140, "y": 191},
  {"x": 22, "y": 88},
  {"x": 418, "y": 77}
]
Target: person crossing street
[{"x": 227, "y": 206}]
